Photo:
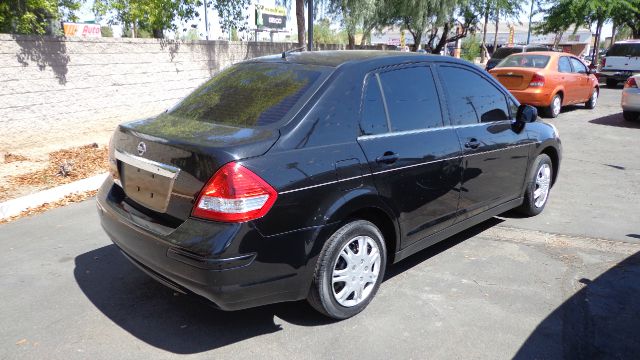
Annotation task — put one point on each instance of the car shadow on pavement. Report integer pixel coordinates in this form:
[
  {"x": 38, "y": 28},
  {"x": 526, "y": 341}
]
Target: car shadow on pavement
[
  {"x": 178, "y": 323},
  {"x": 185, "y": 324},
  {"x": 601, "y": 321},
  {"x": 616, "y": 120}
]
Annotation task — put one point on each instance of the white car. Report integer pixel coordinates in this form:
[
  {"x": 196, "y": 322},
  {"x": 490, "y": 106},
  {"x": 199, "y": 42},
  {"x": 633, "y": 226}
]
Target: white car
[
  {"x": 631, "y": 99},
  {"x": 621, "y": 61}
]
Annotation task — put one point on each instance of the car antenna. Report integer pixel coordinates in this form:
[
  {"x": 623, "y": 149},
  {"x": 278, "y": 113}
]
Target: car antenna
[{"x": 284, "y": 53}]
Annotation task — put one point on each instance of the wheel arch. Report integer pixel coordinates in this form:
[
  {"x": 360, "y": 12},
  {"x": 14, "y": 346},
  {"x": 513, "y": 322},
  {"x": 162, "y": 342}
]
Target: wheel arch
[
  {"x": 553, "y": 154},
  {"x": 368, "y": 206}
]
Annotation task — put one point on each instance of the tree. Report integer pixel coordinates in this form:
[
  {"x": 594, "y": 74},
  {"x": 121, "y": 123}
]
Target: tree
[
  {"x": 505, "y": 9},
  {"x": 35, "y": 16},
  {"x": 352, "y": 14},
  {"x": 156, "y": 16},
  {"x": 560, "y": 16}
]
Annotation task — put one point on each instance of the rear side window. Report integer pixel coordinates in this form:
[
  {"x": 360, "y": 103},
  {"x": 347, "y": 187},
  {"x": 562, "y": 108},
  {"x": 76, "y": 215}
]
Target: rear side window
[
  {"x": 564, "y": 66},
  {"x": 249, "y": 95},
  {"x": 624, "y": 50},
  {"x": 374, "y": 118},
  {"x": 412, "y": 99},
  {"x": 472, "y": 98}
]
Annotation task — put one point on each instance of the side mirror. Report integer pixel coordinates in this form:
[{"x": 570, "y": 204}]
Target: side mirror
[{"x": 526, "y": 114}]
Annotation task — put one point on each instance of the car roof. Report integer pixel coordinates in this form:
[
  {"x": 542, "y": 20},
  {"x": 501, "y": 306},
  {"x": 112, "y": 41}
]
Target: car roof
[{"x": 335, "y": 58}]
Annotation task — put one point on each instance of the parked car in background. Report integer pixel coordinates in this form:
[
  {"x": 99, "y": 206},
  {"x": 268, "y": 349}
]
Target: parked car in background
[
  {"x": 621, "y": 61},
  {"x": 505, "y": 51},
  {"x": 548, "y": 80},
  {"x": 303, "y": 176},
  {"x": 631, "y": 99}
]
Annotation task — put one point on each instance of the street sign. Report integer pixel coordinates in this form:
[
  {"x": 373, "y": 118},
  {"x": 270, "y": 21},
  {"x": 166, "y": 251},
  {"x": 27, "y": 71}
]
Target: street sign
[{"x": 82, "y": 30}]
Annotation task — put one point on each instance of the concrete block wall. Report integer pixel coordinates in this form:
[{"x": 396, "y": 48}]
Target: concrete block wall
[{"x": 55, "y": 90}]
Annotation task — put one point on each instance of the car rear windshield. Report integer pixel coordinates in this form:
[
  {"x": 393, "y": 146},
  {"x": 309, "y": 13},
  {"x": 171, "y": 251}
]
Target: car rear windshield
[
  {"x": 624, "y": 50},
  {"x": 249, "y": 95},
  {"x": 503, "y": 52},
  {"x": 525, "y": 61}
]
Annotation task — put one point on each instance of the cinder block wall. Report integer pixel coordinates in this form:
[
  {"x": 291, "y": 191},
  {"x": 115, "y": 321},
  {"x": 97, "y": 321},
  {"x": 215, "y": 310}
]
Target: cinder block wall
[{"x": 55, "y": 90}]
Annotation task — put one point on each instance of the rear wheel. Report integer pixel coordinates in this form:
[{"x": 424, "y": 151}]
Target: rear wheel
[
  {"x": 553, "y": 110},
  {"x": 593, "y": 100},
  {"x": 612, "y": 83},
  {"x": 538, "y": 186},
  {"x": 349, "y": 270},
  {"x": 630, "y": 115}
]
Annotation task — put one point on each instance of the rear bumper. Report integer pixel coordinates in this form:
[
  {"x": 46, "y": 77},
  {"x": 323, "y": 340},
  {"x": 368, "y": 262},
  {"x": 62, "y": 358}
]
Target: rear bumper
[
  {"x": 232, "y": 265},
  {"x": 618, "y": 75},
  {"x": 534, "y": 97},
  {"x": 630, "y": 99}
]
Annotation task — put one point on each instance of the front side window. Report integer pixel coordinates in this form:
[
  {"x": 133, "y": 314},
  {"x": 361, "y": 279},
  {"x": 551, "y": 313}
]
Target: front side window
[
  {"x": 472, "y": 98},
  {"x": 564, "y": 66},
  {"x": 412, "y": 99},
  {"x": 578, "y": 66}
]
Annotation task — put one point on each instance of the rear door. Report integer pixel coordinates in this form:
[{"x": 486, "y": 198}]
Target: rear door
[
  {"x": 414, "y": 158},
  {"x": 495, "y": 156}
]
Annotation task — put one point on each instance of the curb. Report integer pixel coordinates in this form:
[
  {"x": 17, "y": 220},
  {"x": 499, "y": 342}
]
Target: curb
[{"x": 16, "y": 206}]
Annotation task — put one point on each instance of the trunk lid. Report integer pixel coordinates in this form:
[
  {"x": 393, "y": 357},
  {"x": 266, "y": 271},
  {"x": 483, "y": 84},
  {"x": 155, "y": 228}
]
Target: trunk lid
[
  {"x": 162, "y": 175},
  {"x": 514, "y": 78}
]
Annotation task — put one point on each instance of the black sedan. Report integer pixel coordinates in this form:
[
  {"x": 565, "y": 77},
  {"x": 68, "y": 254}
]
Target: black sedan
[{"x": 302, "y": 176}]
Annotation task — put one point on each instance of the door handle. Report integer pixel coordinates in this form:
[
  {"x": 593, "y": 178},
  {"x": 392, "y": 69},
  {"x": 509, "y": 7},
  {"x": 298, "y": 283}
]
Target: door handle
[
  {"x": 389, "y": 157},
  {"x": 472, "y": 143}
]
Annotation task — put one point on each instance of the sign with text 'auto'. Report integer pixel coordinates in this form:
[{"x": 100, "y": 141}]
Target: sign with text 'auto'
[
  {"x": 82, "y": 30},
  {"x": 271, "y": 17}
]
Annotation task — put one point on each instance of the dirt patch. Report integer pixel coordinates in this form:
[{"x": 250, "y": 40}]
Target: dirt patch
[
  {"x": 71, "y": 198},
  {"x": 9, "y": 158},
  {"x": 63, "y": 166}
]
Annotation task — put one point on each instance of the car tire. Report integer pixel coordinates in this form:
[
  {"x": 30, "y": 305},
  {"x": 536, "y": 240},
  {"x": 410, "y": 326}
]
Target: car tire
[
  {"x": 362, "y": 272},
  {"x": 553, "y": 110},
  {"x": 630, "y": 115},
  {"x": 612, "y": 83},
  {"x": 538, "y": 186},
  {"x": 593, "y": 100}
]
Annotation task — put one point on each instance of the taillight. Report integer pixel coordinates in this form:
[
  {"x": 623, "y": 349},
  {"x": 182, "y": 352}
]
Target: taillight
[
  {"x": 234, "y": 194},
  {"x": 630, "y": 83},
  {"x": 537, "y": 80}
]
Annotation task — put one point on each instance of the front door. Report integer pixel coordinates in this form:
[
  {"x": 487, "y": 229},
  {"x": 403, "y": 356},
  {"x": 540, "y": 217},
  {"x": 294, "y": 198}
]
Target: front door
[
  {"x": 415, "y": 160},
  {"x": 583, "y": 82},
  {"x": 495, "y": 155}
]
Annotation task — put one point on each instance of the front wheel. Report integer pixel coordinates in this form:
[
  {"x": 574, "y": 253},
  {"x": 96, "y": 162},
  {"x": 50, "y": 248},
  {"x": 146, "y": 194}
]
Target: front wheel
[
  {"x": 553, "y": 110},
  {"x": 538, "y": 186},
  {"x": 349, "y": 270},
  {"x": 593, "y": 100}
]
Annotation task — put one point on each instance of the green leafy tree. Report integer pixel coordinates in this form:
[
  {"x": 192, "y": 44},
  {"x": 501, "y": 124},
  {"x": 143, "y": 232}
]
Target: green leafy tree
[
  {"x": 471, "y": 48},
  {"x": 106, "y": 31},
  {"x": 156, "y": 16},
  {"x": 35, "y": 16},
  {"x": 562, "y": 15},
  {"x": 324, "y": 34}
]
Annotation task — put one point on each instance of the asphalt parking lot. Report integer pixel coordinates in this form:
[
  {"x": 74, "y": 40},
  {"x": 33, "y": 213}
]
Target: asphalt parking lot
[{"x": 564, "y": 284}]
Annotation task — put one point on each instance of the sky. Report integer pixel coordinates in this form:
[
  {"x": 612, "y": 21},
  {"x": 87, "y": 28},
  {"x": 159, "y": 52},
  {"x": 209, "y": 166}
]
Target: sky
[{"x": 85, "y": 14}]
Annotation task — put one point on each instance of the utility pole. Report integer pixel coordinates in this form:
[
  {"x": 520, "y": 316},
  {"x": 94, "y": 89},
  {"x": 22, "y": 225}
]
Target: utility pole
[
  {"x": 206, "y": 22},
  {"x": 310, "y": 31},
  {"x": 530, "y": 16}
]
